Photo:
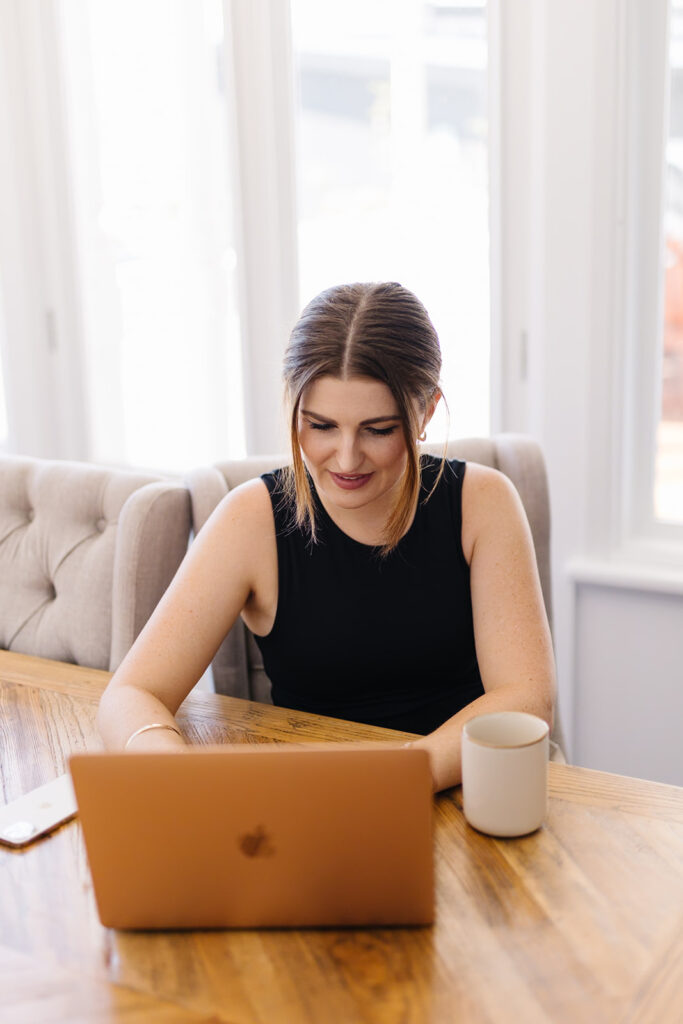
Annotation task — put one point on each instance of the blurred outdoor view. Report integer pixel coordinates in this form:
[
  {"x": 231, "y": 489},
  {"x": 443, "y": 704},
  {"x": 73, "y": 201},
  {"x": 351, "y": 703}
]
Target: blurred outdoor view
[{"x": 393, "y": 169}]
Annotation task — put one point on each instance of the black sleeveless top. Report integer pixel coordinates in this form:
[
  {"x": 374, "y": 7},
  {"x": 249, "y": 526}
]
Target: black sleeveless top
[{"x": 387, "y": 641}]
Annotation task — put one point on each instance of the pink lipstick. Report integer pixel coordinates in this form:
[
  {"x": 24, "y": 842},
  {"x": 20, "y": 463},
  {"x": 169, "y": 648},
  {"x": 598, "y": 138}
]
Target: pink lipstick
[{"x": 350, "y": 481}]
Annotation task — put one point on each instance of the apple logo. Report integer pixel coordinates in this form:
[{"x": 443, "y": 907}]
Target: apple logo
[{"x": 256, "y": 843}]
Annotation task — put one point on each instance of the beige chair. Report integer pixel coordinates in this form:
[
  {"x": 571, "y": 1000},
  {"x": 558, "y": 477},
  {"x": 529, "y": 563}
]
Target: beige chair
[
  {"x": 238, "y": 666},
  {"x": 85, "y": 555}
]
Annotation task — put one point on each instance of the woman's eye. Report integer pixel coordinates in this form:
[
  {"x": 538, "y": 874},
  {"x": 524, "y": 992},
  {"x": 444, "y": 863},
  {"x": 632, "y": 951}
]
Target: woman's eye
[{"x": 374, "y": 431}]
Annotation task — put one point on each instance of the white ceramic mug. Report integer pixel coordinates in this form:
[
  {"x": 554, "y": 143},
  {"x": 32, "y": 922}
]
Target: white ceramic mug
[{"x": 505, "y": 772}]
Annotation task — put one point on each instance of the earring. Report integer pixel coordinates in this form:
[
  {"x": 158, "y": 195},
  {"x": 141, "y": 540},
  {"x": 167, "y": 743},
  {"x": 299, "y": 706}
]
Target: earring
[{"x": 423, "y": 436}]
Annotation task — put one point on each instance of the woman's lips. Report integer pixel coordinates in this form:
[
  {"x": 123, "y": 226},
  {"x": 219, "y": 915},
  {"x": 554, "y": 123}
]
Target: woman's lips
[{"x": 350, "y": 481}]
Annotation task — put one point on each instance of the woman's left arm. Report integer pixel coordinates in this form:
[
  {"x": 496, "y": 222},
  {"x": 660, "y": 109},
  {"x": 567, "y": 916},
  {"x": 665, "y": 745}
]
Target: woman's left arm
[{"x": 511, "y": 632}]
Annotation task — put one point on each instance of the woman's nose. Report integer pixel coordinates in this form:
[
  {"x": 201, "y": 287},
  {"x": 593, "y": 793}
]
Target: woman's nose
[{"x": 349, "y": 455}]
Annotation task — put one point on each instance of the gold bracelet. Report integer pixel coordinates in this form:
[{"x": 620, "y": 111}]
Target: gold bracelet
[{"x": 146, "y": 728}]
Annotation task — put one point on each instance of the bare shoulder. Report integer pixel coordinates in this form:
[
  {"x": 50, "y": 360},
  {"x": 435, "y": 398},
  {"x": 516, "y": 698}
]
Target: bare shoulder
[
  {"x": 239, "y": 534},
  {"x": 484, "y": 486},
  {"x": 246, "y": 508},
  {"x": 490, "y": 503}
]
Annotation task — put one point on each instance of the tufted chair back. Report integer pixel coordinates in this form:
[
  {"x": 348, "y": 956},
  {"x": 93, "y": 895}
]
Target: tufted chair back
[
  {"x": 85, "y": 555},
  {"x": 238, "y": 666}
]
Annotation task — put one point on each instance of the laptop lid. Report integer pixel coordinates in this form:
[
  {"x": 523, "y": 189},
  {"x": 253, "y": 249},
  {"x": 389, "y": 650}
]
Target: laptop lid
[{"x": 257, "y": 836}]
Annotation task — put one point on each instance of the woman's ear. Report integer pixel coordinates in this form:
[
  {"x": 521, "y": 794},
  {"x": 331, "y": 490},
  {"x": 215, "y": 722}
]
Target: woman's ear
[{"x": 431, "y": 409}]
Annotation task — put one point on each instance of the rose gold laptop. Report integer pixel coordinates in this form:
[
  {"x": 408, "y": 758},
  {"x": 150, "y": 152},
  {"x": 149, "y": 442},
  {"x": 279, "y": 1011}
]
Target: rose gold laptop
[{"x": 258, "y": 836}]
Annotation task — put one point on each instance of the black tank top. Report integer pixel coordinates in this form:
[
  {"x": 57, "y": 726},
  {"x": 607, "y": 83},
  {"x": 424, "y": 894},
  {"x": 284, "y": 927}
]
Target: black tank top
[{"x": 387, "y": 641}]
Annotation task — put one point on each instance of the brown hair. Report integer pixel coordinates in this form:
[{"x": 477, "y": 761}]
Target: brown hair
[{"x": 380, "y": 331}]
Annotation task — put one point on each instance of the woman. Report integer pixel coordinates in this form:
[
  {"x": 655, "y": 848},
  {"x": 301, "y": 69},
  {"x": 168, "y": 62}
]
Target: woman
[{"x": 381, "y": 586}]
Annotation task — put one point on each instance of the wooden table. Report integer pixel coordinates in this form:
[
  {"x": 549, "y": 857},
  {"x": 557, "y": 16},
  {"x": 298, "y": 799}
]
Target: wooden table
[{"x": 582, "y": 921}]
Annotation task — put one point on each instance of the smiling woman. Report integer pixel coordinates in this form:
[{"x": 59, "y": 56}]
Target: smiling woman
[
  {"x": 345, "y": 363},
  {"x": 354, "y": 465},
  {"x": 382, "y": 585},
  {"x": 345, "y": 452}
]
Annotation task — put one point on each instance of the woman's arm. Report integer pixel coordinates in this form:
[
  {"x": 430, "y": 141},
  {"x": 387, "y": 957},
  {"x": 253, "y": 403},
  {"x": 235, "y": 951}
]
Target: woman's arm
[
  {"x": 512, "y": 636},
  {"x": 232, "y": 562}
]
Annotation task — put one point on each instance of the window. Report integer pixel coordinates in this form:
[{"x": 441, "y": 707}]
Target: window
[
  {"x": 392, "y": 169},
  {"x": 669, "y": 462},
  {"x": 165, "y": 248},
  {"x": 640, "y": 190},
  {"x": 155, "y": 255}
]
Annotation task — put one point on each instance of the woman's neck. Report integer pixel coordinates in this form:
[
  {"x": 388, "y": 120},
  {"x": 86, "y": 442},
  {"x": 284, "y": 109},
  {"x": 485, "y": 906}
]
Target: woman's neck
[{"x": 365, "y": 525}]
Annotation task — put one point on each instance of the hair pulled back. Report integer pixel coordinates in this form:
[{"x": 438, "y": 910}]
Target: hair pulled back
[{"x": 381, "y": 331}]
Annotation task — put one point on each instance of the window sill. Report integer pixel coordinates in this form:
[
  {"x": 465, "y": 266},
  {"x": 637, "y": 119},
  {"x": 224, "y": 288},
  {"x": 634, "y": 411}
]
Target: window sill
[{"x": 627, "y": 574}]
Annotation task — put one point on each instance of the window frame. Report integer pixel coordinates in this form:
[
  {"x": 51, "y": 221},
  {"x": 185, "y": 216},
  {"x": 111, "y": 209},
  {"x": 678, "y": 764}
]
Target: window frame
[
  {"x": 644, "y": 73},
  {"x": 258, "y": 66},
  {"x": 638, "y": 537},
  {"x": 581, "y": 184}
]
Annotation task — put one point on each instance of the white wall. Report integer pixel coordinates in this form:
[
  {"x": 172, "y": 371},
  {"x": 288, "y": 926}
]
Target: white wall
[{"x": 629, "y": 690}]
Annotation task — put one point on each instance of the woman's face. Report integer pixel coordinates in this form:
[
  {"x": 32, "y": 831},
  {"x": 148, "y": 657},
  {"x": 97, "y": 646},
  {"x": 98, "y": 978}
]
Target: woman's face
[{"x": 352, "y": 442}]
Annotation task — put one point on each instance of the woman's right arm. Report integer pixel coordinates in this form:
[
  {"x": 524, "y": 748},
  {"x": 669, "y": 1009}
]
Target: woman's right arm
[{"x": 222, "y": 570}]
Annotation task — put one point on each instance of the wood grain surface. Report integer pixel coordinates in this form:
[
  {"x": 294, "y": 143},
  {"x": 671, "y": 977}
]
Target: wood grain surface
[
  {"x": 34, "y": 993},
  {"x": 581, "y": 921}
]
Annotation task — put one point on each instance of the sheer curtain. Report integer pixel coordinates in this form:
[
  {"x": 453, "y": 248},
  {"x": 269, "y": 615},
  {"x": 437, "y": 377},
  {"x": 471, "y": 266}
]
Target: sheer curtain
[{"x": 156, "y": 255}]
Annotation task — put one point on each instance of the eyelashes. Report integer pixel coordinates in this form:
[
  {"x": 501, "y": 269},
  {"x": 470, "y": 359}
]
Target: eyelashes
[
  {"x": 381, "y": 431},
  {"x": 373, "y": 431}
]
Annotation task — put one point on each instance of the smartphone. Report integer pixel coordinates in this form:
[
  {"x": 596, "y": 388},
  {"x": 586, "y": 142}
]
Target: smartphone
[{"x": 37, "y": 812}]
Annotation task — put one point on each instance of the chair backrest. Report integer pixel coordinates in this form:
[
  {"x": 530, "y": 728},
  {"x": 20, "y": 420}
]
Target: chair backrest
[
  {"x": 85, "y": 555},
  {"x": 238, "y": 666}
]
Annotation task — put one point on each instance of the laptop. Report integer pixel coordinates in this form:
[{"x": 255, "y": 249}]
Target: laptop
[{"x": 259, "y": 836}]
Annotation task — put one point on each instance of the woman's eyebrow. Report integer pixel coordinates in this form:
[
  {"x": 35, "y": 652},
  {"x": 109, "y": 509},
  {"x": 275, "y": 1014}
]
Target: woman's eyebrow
[
  {"x": 363, "y": 423},
  {"x": 379, "y": 419}
]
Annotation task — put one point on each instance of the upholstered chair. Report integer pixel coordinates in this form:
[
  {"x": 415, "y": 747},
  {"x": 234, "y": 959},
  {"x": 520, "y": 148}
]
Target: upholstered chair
[
  {"x": 238, "y": 665},
  {"x": 85, "y": 555}
]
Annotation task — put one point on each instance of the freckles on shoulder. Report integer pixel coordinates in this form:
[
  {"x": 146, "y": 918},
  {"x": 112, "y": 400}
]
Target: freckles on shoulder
[
  {"x": 248, "y": 502},
  {"x": 242, "y": 524},
  {"x": 490, "y": 502}
]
